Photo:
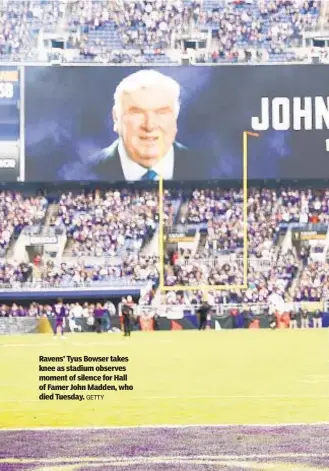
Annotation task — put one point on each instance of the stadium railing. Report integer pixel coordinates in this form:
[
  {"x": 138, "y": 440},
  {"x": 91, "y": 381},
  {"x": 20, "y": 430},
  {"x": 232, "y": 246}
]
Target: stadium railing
[
  {"x": 34, "y": 291},
  {"x": 258, "y": 264},
  {"x": 44, "y": 285},
  {"x": 92, "y": 260}
]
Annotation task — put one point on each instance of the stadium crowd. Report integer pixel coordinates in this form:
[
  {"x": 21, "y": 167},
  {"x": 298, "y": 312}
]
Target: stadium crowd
[
  {"x": 110, "y": 223},
  {"x": 152, "y": 23},
  {"x": 193, "y": 271},
  {"x": 275, "y": 278},
  {"x": 134, "y": 267},
  {"x": 15, "y": 273},
  {"x": 20, "y": 22},
  {"x": 75, "y": 310},
  {"x": 108, "y": 30},
  {"x": 314, "y": 282},
  {"x": 121, "y": 225},
  {"x": 220, "y": 213},
  {"x": 244, "y": 29},
  {"x": 240, "y": 30},
  {"x": 16, "y": 212}
]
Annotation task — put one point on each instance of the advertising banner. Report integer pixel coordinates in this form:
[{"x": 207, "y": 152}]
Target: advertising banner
[{"x": 18, "y": 325}]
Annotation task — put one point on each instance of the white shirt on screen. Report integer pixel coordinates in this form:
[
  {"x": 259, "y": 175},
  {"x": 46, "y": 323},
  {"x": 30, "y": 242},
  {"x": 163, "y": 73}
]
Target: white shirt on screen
[{"x": 134, "y": 172}]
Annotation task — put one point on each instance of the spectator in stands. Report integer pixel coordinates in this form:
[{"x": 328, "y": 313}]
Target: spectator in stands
[
  {"x": 255, "y": 31},
  {"x": 145, "y": 112},
  {"x": 17, "y": 212},
  {"x": 20, "y": 22},
  {"x": 111, "y": 223},
  {"x": 135, "y": 31}
]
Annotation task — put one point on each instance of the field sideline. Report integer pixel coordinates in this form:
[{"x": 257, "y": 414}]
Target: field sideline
[{"x": 182, "y": 377}]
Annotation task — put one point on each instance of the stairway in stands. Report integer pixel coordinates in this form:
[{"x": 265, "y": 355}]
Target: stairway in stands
[{"x": 202, "y": 243}]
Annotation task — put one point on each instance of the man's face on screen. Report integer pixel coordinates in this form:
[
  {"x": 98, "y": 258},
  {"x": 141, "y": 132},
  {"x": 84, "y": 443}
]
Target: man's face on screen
[{"x": 147, "y": 124}]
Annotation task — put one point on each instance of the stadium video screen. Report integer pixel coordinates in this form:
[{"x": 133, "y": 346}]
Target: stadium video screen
[
  {"x": 72, "y": 134},
  {"x": 11, "y": 148}
]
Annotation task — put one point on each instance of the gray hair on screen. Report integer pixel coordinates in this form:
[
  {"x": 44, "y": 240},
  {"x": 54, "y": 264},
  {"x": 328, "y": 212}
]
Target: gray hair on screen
[{"x": 144, "y": 79}]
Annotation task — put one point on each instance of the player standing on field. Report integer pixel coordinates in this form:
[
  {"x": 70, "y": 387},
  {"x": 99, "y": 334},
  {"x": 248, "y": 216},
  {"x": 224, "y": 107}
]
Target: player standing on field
[
  {"x": 127, "y": 314},
  {"x": 203, "y": 312},
  {"x": 60, "y": 313}
]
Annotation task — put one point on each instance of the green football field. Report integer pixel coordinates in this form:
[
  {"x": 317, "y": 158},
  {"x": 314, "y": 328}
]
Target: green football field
[{"x": 179, "y": 377}]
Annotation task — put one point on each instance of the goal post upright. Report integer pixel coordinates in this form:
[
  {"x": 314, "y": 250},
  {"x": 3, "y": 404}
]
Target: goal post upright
[
  {"x": 161, "y": 234},
  {"x": 245, "y": 135}
]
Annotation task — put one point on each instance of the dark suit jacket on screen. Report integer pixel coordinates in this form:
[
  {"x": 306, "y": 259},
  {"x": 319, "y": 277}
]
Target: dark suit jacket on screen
[{"x": 187, "y": 165}]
